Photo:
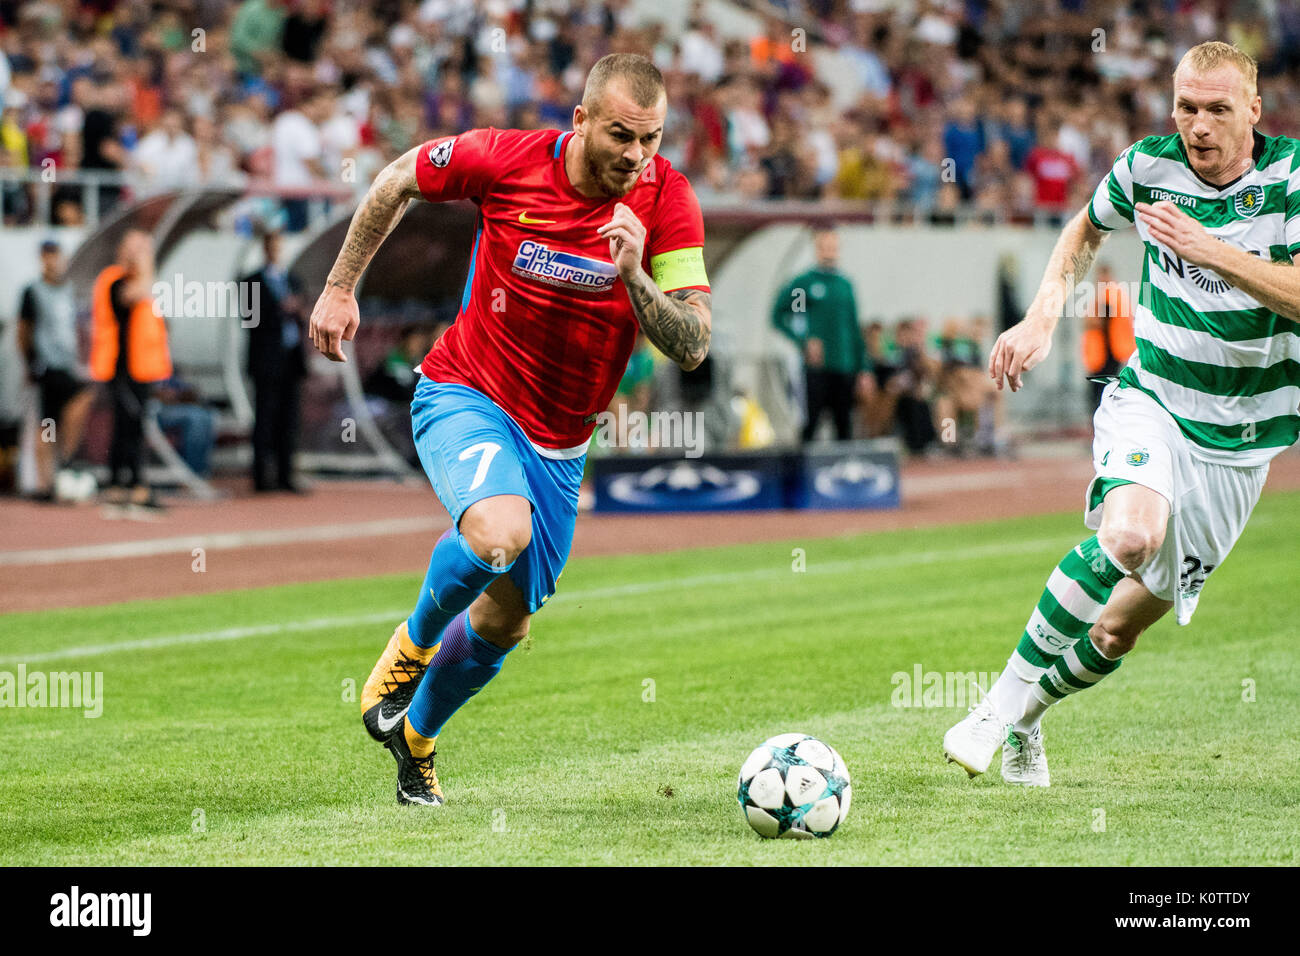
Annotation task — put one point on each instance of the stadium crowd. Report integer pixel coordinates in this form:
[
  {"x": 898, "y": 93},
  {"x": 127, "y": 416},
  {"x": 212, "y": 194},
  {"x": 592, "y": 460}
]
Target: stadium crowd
[
  {"x": 1009, "y": 107},
  {"x": 1006, "y": 108}
]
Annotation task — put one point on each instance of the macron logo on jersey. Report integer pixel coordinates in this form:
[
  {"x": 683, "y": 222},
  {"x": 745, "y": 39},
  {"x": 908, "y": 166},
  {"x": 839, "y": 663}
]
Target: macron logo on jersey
[{"x": 566, "y": 269}]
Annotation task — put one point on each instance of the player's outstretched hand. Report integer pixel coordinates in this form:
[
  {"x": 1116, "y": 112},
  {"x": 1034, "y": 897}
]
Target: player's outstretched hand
[
  {"x": 334, "y": 320},
  {"x": 1019, "y": 349},
  {"x": 626, "y": 237}
]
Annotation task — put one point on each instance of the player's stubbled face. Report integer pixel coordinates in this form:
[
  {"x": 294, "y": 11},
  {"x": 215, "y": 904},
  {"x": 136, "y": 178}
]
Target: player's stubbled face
[
  {"x": 1215, "y": 112},
  {"x": 620, "y": 138}
]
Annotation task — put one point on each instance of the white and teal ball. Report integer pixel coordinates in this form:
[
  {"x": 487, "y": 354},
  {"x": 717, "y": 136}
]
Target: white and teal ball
[{"x": 794, "y": 786}]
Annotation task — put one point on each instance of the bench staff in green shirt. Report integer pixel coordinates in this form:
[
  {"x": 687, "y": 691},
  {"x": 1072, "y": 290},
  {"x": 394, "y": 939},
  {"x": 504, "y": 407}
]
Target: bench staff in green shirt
[{"x": 817, "y": 311}]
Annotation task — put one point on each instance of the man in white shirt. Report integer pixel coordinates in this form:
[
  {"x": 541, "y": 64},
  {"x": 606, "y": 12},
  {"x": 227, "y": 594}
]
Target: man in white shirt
[
  {"x": 166, "y": 158},
  {"x": 298, "y": 152}
]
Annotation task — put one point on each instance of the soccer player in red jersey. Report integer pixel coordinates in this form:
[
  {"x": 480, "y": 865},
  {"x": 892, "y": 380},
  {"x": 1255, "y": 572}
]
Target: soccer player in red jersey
[{"x": 583, "y": 237}]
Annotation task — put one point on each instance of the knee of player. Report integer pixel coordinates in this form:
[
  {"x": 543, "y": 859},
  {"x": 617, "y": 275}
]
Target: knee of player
[
  {"x": 1132, "y": 545},
  {"x": 497, "y": 541},
  {"x": 504, "y": 631},
  {"x": 1115, "y": 641},
  {"x": 517, "y": 633}
]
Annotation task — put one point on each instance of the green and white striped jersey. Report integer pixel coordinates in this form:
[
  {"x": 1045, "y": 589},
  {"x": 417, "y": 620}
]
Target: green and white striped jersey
[{"x": 1225, "y": 367}]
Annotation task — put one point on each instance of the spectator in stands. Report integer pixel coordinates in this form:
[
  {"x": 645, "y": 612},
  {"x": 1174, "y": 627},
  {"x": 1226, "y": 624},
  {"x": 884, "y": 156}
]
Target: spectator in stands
[
  {"x": 818, "y": 313},
  {"x": 102, "y": 149},
  {"x": 788, "y": 163},
  {"x": 816, "y": 121},
  {"x": 877, "y": 405},
  {"x": 910, "y": 70},
  {"x": 394, "y": 379},
  {"x": 861, "y": 174},
  {"x": 188, "y": 422},
  {"x": 47, "y": 339},
  {"x": 748, "y": 132},
  {"x": 17, "y": 204},
  {"x": 277, "y": 364},
  {"x": 863, "y": 53},
  {"x": 13, "y": 137},
  {"x": 304, "y": 31},
  {"x": 1054, "y": 170},
  {"x": 963, "y": 141},
  {"x": 925, "y": 171},
  {"x": 255, "y": 34},
  {"x": 912, "y": 385},
  {"x": 167, "y": 158},
  {"x": 965, "y": 395},
  {"x": 390, "y": 387},
  {"x": 1108, "y": 340},
  {"x": 701, "y": 53},
  {"x": 299, "y": 153},
  {"x": 215, "y": 162},
  {"x": 1016, "y": 130},
  {"x": 128, "y": 350}
]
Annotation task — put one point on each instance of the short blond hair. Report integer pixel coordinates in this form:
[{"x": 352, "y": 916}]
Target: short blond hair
[{"x": 1214, "y": 53}]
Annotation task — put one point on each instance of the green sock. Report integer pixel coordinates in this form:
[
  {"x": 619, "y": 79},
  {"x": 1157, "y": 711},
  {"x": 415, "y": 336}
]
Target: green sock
[{"x": 1071, "y": 604}]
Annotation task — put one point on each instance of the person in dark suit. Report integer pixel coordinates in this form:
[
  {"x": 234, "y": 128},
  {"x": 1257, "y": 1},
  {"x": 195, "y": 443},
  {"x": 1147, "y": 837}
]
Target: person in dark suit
[{"x": 277, "y": 363}]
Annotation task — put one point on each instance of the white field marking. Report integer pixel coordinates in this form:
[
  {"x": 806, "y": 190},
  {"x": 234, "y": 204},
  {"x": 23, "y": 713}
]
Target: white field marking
[
  {"x": 205, "y": 637},
  {"x": 224, "y": 540},
  {"x": 563, "y": 598}
]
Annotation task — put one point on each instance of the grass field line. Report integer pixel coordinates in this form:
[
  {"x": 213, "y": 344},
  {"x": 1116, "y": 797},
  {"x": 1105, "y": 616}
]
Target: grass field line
[
  {"x": 873, "y": 562},
  {"x": 221, "y": 540}
]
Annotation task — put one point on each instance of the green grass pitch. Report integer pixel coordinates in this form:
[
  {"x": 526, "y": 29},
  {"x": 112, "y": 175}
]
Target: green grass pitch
[{"x": 616, "y": 736}]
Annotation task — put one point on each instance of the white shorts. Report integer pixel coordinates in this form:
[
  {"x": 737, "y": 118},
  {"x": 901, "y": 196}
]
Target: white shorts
[{"x": 1138, "y": 441}]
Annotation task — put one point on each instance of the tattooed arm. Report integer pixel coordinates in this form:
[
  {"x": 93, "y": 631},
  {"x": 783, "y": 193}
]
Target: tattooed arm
[
  {"x": 1071, "y": 259},
  {"x": 335, "y": 317},
  {"x": 1027, "y": 343},
  {"x": 679, "y": 323}
]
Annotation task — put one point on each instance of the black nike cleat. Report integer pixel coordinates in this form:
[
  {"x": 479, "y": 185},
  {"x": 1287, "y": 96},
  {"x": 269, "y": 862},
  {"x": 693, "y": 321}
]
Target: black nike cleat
[{"x": 417, "y": 781}]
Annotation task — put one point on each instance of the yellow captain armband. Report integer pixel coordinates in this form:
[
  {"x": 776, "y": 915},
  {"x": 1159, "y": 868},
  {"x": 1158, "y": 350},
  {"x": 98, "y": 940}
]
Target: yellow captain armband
[{"x": 679, "y": 268}]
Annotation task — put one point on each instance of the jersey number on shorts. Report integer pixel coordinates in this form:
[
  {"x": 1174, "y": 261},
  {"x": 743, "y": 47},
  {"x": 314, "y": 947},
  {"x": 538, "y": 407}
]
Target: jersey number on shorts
[{"x": 488, "y": 450}]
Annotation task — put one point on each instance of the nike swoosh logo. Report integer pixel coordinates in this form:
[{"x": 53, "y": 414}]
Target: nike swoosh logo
[
  {"x": 385, "y": 725},
  {"x": 525, "y": 218}
]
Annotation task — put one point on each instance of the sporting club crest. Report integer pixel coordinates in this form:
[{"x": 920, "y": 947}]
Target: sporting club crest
[
  {"x": 1138, "y": 456},
  {"x": 1249, "y": 201}
]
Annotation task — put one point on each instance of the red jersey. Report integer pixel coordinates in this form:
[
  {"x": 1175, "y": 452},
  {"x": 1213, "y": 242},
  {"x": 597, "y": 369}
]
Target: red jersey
[
  {"x": 545, "y": 327},
  {"x": 1053, "y": 171}
]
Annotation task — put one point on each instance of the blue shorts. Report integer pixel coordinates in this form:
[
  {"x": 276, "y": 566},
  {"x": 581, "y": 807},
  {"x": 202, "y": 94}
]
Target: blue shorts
[{"x": 472, "y": 450}]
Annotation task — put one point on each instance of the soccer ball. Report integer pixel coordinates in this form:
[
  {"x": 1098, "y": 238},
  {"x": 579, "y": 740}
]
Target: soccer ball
[
  {"x": 794, "y": 786},
  {"x": 74, "y": 486}
]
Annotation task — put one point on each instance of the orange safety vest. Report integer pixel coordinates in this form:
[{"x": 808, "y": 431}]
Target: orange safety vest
[
  {"x": 148, "y": 358},
  {"x": 1114, "y": 338}
]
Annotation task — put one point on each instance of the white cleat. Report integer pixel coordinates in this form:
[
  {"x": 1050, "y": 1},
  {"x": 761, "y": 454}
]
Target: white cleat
[
  {"x": 972, "y": 741},
  {"x": 1024, "y": 761}
]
